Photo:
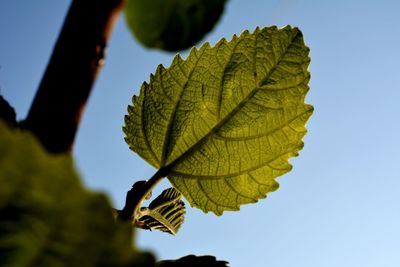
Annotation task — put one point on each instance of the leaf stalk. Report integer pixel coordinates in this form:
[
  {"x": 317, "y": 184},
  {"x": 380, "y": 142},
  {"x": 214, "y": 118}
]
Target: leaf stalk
[
  {"x": 72, "y": 70},
  {"x": 137, "y": 195}
]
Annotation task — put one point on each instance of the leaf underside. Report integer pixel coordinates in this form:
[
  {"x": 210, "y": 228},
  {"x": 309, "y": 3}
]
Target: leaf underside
[
  {"x": 165, "y": 213},
  {"x": 224, "y": 122}
]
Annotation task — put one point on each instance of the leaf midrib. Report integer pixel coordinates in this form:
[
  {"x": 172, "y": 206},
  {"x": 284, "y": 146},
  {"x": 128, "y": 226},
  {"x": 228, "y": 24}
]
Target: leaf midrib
[
  {"x": 246, "y": 138},
  {"x": 167, "y": 139},
  {"x": 195, "y": 176}
]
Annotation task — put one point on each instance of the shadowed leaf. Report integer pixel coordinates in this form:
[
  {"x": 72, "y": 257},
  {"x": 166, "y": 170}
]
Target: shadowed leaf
[
  {"x": 172, "y": 24},
  {"x": 223, "y": 123}
]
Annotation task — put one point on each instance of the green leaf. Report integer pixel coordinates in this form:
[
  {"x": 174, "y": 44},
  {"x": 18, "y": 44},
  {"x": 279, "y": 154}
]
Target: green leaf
[
  {"x": 223, "y": 123},
  {"x": 165, "y": 213},
  {"x": 47, "y": 218},
  {"x": 172, "y": 24}
]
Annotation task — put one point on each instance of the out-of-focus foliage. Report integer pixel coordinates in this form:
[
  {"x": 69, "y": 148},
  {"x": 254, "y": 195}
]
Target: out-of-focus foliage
[
  {"x": 223, "y": 123},
  {"x": 172, "y": 25},
  {"x": 48, "y": 219}
]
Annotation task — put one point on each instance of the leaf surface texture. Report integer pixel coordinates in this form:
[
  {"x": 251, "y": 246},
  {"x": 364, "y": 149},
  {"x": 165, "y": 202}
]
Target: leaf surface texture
[{"x": 224, "y": 122}]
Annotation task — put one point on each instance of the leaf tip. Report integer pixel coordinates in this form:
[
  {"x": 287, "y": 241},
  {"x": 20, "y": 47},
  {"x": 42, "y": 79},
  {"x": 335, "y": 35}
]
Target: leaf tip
[
  {"x": 160, "y": 69},
  {"x": 234, "y": 38},
  {"x": 206, "y": 45},
  {"x": 177, "y": 59},
  {"x": 244, "y": 33},
  {"x": 309, "y": 108}
]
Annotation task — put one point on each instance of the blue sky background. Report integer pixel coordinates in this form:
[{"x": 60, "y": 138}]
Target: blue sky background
[{"x": 340, "y": 204}]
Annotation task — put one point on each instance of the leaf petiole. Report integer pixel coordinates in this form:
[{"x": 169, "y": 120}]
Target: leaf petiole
[{"x": 137, "y": 195}]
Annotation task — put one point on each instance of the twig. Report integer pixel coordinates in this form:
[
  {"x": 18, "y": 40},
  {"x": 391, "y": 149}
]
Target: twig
[{"x": 74, "y": 65}]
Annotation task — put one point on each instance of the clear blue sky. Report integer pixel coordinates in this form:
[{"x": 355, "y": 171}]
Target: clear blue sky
[{"x": 340, "y": 204}]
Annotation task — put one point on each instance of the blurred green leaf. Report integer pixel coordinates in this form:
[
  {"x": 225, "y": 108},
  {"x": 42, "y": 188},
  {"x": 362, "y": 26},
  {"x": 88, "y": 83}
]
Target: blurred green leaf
[
  {"x": 172, "y": 25},
  {"x": 223, "y": 123},
  {"x": 48, "y": 219}
]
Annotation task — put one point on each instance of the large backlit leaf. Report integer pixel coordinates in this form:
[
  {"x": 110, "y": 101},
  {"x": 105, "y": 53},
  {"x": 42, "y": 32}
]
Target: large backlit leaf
[
  {"x": 48, "y": 219},
  {"x": 223, "y": 123},
  {"x": 172, "y": 24}
]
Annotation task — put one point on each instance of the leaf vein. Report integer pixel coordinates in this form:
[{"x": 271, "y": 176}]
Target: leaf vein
[
  {"x": 197, "y": 176},
  {"x": 231, "y": 113},
  {"x": 222, "y": 81},
  {"x": 145, "y": 137},
  {"x": 167, "y": 139},
  {"x": 246, "y": 138}
]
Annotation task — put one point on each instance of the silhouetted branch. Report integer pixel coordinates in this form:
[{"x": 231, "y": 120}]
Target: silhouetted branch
[
  {"x": 7, "y": 113},
  {"x": 74, "y": 65}
]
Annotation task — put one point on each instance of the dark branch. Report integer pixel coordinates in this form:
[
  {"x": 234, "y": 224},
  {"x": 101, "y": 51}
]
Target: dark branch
[
  {"x": 7, "y": 113},
  {"x": 74, "y": 65}
]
